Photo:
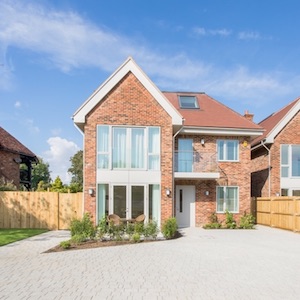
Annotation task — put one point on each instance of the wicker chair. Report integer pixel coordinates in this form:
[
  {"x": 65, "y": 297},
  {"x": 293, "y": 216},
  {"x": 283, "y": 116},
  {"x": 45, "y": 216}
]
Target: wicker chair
[
  {"x": 113, "y": 219},
  {"x": 140, "y": 218}
]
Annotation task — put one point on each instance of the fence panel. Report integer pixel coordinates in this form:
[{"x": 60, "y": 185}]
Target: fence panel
[
  {"x": 280, "y": 212},
  {"x": 49, "y": 210}
]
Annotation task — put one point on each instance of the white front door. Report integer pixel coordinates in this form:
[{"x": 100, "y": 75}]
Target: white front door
[{"x": 185, "y": 205}]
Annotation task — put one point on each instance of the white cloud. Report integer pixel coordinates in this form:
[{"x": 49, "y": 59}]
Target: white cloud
[
  {"x": 17, "y": 104},
  {"x": 29, "y": 123},
  {"x": 58, "y": 157},
  {"x": 250, "y": 35},
  {"x": 200, "y": 31}
]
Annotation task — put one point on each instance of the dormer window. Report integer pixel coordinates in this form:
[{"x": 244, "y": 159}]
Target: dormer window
[{"x": 188, "y": 102}]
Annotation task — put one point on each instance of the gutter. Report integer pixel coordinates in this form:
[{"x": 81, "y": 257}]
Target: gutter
[{"x": 173, "y": 180}]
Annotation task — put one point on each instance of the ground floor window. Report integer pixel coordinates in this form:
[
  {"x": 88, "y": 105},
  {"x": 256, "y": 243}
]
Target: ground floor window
[
  {"x": 129, "y": 200},
  {"x": 227, "y": 199}
]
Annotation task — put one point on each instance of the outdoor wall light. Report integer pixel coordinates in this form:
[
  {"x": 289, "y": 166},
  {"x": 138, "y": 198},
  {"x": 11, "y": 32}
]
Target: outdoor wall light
[
  {"x": 202, "y": 142},
  {"x": 168, "y": 192},
  {"x": 91, "y": 192},
  {"x": 206, "y": 193}
]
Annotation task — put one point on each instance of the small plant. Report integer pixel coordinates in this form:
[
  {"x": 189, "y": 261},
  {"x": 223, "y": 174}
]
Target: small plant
[
  {"x": 83, "y": 227},
  {"x": 151, "y": 229},
  {"x": 136, "y": 237},
  {"x": 65, "y": 244},
  {"x": 139, "y": 228},
  {"x": 214, "y": 222},
  {"x": 169, "y": 228},
  {"x": 78, "y": 238},
  {"x": 102, "y": 227},
  {"x": 247, "y": 221},
  {"x": 229, "y": 221}
]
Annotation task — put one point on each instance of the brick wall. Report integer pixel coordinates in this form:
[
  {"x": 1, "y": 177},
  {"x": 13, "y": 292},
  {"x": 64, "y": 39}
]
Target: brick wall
[
  {"x": 260, "y": 183},
  {"x": 129, "y": 103},
  {"x": 231, "y": 174},
  {"x": 9, "y": 169}
]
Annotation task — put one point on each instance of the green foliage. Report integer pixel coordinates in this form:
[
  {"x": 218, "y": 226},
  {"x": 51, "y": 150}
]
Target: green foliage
[
  {"x": 229, "y": 221},
  {"x": 12, "y": 235},
  {"x": 102, "y": 227},
  {"x": 7, "y": 185},
  {"x": 78, "y": 238},
  {"x": 83, "y": 227},
  {"x": 247, "y": 221},
  {"x": 65, "y": 244},
  {"x": 76, "y": 170},
  {"x": 136, "y": 237},
  {"x": 214, "y": 222},
  {"x": 57, "y": 186},
  {"x": 151, "y": 229},
  {"x": 169, "y": 228},
  {"x": 40, "y": 172},
  {"x": 139, "y": 228}
]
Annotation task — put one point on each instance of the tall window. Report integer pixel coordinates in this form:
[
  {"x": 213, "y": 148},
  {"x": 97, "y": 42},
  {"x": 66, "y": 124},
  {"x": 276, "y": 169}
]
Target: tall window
[
  {"x": 128, "y": 147},
  {"x": 290, "y": 161},
  {"x": 228, "y": 150},
  {"x": 227, "y": 199}
]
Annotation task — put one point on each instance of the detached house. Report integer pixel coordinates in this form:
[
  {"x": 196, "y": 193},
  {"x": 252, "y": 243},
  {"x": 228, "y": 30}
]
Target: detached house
[
  {"x": 276, "y": 154},
  {"x": 12, "y": 154},
  {"x": 162, "y": 154}
]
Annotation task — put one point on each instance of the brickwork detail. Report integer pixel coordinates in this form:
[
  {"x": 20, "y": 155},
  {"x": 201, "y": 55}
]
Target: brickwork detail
[{"x": 129, "y": 103}]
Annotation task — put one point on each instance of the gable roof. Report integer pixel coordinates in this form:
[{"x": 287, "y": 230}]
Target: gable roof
[
  {"x": 213, "y": 116},
  {"x": 276, "y": 122},
  {"x": 128, "y": 66},
  {"x": 11, "y": 144}
]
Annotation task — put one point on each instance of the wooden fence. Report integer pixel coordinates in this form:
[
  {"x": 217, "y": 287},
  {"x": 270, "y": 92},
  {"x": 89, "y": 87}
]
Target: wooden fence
[
  {"x": 49, "y": 210},
  {"x": 279, "y": 212}
]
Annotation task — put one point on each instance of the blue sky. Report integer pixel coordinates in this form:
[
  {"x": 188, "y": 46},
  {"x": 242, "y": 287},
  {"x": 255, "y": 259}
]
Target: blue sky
[{"x": 54, "y": 54}]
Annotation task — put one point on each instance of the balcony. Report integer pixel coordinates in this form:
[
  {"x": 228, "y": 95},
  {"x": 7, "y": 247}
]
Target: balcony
[{"x": 196, "y": 165}]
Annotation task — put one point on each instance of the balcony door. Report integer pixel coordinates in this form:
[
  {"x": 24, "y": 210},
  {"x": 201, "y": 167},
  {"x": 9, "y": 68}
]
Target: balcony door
[
  {"x": 185, "y": 155},
  {"x": 128, "y": 200}
]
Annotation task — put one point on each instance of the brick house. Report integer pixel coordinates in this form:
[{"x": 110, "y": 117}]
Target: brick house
[
  {"x": 276, "y": 154},
  {"x": 162, "y": 154},
  {"x": 12, "y": 154}
]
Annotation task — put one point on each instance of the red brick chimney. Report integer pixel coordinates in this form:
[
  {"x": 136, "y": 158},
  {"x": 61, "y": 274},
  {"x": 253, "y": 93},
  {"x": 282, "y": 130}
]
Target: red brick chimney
[{"x": 248, "y": 116}]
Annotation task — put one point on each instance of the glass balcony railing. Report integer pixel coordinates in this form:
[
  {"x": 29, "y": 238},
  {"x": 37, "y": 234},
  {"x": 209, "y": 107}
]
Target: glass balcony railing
[{"x": 191, "y": 161}]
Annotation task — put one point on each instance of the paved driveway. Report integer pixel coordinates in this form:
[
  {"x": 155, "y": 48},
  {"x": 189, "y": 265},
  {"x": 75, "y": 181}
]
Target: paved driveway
[{"x": 203, "y": 264}]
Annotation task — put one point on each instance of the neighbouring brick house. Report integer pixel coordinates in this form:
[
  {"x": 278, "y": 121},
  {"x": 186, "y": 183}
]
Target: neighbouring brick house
[
  {"x": 162, "y": 154},
  {"x": 276, "y": 154},
  {"x": 12, "y": 154}
]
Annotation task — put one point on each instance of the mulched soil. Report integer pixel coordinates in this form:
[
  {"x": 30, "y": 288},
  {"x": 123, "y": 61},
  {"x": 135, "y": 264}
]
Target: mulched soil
[{"x": 98, "y": 244}]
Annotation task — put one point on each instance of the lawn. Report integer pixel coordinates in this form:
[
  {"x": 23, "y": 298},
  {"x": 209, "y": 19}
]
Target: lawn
[{"x": 8, "y": 236}]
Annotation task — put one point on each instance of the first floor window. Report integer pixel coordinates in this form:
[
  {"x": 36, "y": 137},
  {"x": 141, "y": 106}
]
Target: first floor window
[
  {"x": 227, "y": 199},
  {"x": 228, "y": 150},
  {"x": 290, "y": 161}
]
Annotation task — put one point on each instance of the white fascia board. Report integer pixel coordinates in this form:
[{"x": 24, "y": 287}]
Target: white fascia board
[
  {"x": 277, "y": 129},
  {"x": 110, "y": 83},
  {"x": 222, "y": 131}
]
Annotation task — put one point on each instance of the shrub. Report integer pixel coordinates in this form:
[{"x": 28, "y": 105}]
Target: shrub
[
  {"x": 78, "y": 238},
  {"x": 230, "y": 222},
  {"x": 139, "y": 228},
  {"x": 214, "y": 222},
  {"x": 102, "y": 227},
  {"x": 65, "y": 244},
  {"x": 83, "y": 227},
  {"x": 136, "y": 237},
  {"x": 151, "y": 229},
  {"x": 247, "y": 221},
  {"x": 169, "y": 228}
]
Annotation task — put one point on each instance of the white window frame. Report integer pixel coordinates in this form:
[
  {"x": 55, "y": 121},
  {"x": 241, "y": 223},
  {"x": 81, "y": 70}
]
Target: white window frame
[
  {"x": 225, "y": 151},
  {"x": 225, "y": 202},
  {"x": 289, "y": 164},
  {"x": 147, "y": 154}
]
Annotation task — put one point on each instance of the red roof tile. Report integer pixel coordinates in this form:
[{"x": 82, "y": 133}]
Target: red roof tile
[
  {"x": 11, "y": 144},
  {"x": 211, "y": 113},
  {"x": 271, "y": 121}
]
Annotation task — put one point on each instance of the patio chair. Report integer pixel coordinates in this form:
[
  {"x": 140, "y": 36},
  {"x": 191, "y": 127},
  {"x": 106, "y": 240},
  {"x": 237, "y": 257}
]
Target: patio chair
[
  {"x": 114, "y": 219},
  {"x": 140, "y": 219}
]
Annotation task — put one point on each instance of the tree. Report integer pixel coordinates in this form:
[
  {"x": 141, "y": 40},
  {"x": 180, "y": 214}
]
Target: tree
[
  {"x": 76, "y": 169},
  {"x": 58, "y": 186},
  {"x": 40, "y": 172}
]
